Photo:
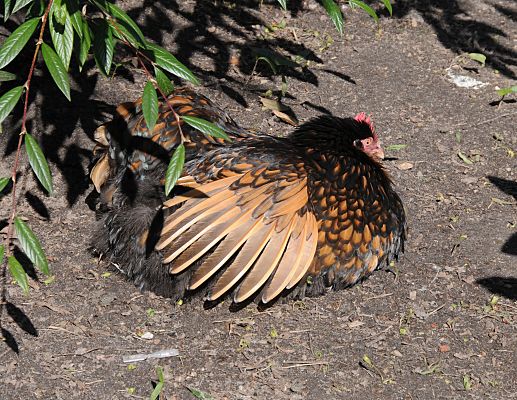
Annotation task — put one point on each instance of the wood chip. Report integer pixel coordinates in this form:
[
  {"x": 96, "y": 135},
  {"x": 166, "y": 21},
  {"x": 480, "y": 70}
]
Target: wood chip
[
  {"x": 157, "y": 354},
  {"x": 404, "y": 166}
]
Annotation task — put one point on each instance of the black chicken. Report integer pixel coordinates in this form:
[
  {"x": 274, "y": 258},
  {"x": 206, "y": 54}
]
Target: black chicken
[{"x": 259, "y": 214}]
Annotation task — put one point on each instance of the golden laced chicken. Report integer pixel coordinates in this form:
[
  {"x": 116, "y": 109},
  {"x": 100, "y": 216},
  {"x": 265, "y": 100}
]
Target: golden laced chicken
[{"x": 258, "y": 217}]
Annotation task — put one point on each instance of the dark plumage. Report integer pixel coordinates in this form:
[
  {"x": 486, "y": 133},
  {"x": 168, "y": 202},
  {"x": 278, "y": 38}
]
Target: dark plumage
[{"x": 260, "y": 215}]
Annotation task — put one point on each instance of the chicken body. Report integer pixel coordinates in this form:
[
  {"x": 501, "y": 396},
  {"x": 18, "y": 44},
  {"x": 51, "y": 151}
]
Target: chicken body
[{"x": 257, "y": 217}]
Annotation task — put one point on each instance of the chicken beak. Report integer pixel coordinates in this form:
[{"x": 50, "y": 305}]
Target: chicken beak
[{"x": 378, "y": 152}]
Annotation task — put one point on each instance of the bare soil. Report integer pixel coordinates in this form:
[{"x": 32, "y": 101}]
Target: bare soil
[{"x": 442, "y": 326}]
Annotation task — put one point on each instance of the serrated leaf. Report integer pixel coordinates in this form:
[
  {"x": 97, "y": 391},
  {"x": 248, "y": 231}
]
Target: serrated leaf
[
  {"x": 120, "y": 32},
  {"x": 103, "y": 45},
  {"x": 7, "y": 9},
  {"x": 85, "y": 45},
  {"x": 396, "y": 147},
  {"x": 150, "y": 105},
  {"x": 57, "y": 69},
  {"x": 8, "y": 101},
  {"x": 283, "y": 3},
  {"x": 159, "y": 385},
  {"x": 36, "y": 9},
  {"x": 62, "y": 34},
  {"x": 480, "y": 58},
  {"x": 38, "y": 162},
  {"x": 199, "y": 394},
  {"x": 387, "y": 4},
  {"x": 505, "y": 91},
  {"x": 3, "y": 184},
  {"x": 464, "y": 158},
  {"x": 31, "y": 245},
  {"x": 170, "y": 63},
  {"x": 334, "y": 13},
  {"x": 164, "y": 83},
  {"x": 129, "y": 26},
  {"x": 18, "y": 273},
  {"x": 17, "y": 41},
  {"x": 206, "y": 127},
  {"x": 6, "y": 76},
  {"x": 174, "y": 169},
  {"x": 366, "y": 8},
  {"x": 76, "y": 17},
  {"x": 20, "y": 4}
]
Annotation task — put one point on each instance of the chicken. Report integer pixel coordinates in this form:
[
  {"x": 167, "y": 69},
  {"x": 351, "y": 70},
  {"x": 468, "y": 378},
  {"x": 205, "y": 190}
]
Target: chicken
[{"x": 259, "y": 217}]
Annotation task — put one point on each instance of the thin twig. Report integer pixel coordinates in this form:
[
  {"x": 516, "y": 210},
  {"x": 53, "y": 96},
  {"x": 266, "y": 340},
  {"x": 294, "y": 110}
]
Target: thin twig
[
  {"x": 23, "y": 132},
  {"x": 305, "y": 364},
  {"x": 486, "y": 121}
]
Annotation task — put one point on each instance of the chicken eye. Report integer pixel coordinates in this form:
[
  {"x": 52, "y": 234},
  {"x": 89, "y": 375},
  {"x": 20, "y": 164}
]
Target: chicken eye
[{"x": 367, "y": 142}]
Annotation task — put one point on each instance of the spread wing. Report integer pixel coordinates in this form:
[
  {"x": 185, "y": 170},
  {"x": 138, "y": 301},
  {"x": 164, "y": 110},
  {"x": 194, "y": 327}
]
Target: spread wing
[{"x": 252, "y": 225}]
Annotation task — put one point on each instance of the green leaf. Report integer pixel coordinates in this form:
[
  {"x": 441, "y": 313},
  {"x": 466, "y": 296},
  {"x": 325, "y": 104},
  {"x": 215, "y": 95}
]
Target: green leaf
[
  {"x": 7, "y": 9},
  {"x": 268, "y": 62},
  {"x": 18, "y": 273},
  {"x": 283, "y": 3},
  {"x": 19, "y": 5},
  {"x": 199, "y": 394},
  {"x": 6, "y": 76},
  {"x": 17, "y": 41},
  {"x": 31, "y": 245},
  {"x": 38, "y": 162},
  {"x": 206, "y": 127},
  {"x": 86, "y": 43},
  {"x": 159, "y": 386},
  {"x": 8, "y": 101},
  {"x": 103, "y": 45},
  {"x": 169, "y": 63},
  {"x": 334, "y": 12},
  {"x": 387, "y": 4},
  {"x": 76, "y": 17},
  {"x": 509, "y": 90},
  {"x": 174, "y": 169},
  {"x": 62, "y": 33},
  {"x": 1, "y": 254},
  {"x": 467, "y": 383},
  {"x": 480, "y": 58},
  {"x": 396, "y": 147},
  {"x": 366, "y": 8},
  {"x": 129, "y": 26},
  {"x": 3, "y": 184},
  {"x": 464, "y": 158},
  {"x": 57, "y": 69},
  {"x": 164, "y": 83},
  {"x": 150, "y": 105},
  {"x": 36, "y": 9}
]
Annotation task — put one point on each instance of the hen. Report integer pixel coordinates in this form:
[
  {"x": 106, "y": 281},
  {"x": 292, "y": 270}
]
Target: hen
[{"x": 258, "y": 217}]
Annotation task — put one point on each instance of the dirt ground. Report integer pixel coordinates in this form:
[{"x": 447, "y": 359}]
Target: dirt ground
[{"x": 443, "y": 326}]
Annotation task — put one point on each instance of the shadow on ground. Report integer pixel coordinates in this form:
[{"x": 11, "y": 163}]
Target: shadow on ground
[
  {"x": 459, "y": 31},
  {"x": 506, "y": 287},
  {"x": 510, "y": 188}
]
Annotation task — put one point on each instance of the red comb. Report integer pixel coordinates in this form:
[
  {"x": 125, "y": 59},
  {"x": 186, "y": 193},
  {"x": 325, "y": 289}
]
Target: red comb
[{"x": 363, "y": 118}]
